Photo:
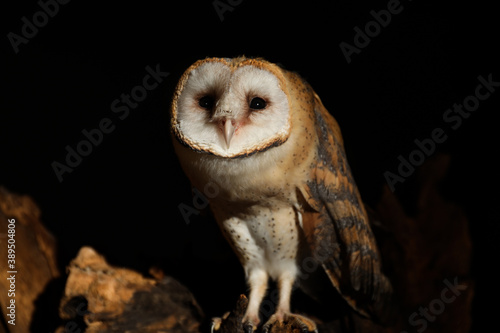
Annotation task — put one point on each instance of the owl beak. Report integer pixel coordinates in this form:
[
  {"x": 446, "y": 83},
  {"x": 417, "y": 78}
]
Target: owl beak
[{"x": 228, "y": 130}]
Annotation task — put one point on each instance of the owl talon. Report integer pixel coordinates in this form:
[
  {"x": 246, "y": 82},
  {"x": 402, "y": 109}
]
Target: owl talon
[{"x": 248, "y": 327}]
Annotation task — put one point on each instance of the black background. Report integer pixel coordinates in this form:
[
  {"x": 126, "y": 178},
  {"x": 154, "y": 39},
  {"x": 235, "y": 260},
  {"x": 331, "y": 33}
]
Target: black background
[{"x": 123, "y": 198}]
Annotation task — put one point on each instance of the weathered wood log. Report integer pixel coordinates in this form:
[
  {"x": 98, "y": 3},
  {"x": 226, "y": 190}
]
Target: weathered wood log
[
  {"x": 33, "y": 251},
  {"x": 112, "y": 299}
]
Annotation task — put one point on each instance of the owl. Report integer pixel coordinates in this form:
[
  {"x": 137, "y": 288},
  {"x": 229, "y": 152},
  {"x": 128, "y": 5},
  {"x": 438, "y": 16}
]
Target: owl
[{"x": 286, "y": 200}]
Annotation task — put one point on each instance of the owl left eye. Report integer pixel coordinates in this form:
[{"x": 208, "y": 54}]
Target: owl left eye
[
  {"x": 257, "y": 103},
  {"x": 206, "y": 102}
]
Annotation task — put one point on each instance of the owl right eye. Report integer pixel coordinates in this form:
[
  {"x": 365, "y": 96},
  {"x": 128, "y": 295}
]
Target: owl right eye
[{"x": 206, "y": 102}]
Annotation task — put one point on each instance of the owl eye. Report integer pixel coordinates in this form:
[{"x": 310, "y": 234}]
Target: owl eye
[
  {"x": 206, "y": 102},
  {"x": 257, "y": 103}
]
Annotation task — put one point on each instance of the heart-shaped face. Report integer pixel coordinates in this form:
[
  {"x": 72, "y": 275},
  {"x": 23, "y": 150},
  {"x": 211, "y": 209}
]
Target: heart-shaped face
[{"x": 231, "y": 107}]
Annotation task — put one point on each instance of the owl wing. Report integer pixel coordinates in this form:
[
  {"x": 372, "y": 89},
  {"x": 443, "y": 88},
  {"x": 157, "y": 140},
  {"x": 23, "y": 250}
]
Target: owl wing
[{"x": 336, "y": 225}]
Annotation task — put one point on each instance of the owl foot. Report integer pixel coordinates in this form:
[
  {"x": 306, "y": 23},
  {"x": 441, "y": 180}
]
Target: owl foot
[
  {"x": 291, "y": 321},
  {"x": 250, "y": 322},
  {"x": 249, "y": 327}
]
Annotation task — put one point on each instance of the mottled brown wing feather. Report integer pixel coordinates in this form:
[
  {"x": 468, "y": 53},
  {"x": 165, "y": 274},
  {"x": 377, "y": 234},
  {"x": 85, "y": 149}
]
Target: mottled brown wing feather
[{"x": 337, "y": 226}]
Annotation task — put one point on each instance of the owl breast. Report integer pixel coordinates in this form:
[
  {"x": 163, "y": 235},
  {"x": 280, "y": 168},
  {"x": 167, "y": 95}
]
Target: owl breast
[{"x": 263, "y": 235}]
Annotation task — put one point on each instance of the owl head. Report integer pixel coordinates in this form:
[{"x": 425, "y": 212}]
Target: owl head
[{"x": 231, "y": 107}]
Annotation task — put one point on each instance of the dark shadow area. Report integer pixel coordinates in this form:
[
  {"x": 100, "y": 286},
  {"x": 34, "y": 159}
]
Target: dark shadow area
[{"x": 46, "y": 316}]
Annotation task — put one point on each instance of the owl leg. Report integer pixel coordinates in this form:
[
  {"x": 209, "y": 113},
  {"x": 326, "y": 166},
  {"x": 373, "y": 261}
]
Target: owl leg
[
  {"x": 283, "y": 314},
  {"x": 257, "y": 280}
]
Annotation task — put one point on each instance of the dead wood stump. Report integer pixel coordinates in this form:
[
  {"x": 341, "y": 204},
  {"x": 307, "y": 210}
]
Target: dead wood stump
[
  {"x": 112, "y": 299},
  {"x": 33, "y": 250}
]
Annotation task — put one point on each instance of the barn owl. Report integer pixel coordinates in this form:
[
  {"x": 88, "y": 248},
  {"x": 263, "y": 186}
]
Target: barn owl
[{"x": 286, "y": 195}]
